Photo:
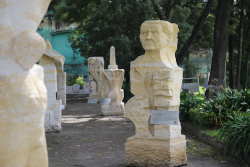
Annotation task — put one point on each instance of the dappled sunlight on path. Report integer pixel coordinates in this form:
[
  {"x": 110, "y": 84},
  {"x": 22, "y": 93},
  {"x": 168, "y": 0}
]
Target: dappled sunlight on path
[{"x": 89, "y": 139}]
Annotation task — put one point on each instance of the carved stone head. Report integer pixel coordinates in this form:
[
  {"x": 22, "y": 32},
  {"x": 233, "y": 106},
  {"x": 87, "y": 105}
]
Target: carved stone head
[{"x": 156, "y": 34}]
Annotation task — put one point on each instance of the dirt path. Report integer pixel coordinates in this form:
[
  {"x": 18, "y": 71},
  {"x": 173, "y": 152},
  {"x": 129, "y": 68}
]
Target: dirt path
[{"x": 91, "y": 140}]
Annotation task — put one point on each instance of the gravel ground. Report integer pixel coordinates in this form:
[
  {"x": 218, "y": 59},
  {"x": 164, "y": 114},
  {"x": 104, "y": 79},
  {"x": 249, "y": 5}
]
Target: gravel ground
[{"x": 88, "y": 139}]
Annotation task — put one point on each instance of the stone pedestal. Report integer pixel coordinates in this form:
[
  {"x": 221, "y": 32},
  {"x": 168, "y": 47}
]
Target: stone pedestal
[
  {"x": 92, "y": 100},
  {"x": 155, "y": 152},
  {"x": 105, "y": 101},
  {"x": 116, "y": 109},
  {"x": 52, "y": 122}
]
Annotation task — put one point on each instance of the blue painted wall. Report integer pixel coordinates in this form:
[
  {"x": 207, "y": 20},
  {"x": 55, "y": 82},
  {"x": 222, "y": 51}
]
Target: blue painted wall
[{"x": 74, "y": 63}]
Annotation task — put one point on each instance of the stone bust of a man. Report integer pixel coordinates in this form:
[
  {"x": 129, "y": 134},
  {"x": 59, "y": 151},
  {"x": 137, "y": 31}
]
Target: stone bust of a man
[{"x": 151, "y": 71}]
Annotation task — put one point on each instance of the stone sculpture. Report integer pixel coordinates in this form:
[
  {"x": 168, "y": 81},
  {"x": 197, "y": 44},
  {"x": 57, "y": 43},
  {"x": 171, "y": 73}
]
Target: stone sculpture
[
  {"x": 156, "y": 82},
  {"x": 95, "y": 67},
  {"x": 55, "y": 82},
  {"x": 23, "y": 95},
  {"x": 112, "y": 79}
]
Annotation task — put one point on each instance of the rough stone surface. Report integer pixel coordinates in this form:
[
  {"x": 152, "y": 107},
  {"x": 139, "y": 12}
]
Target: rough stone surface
[
  {"x": 112, "y": 80},
  {"x": 23, "y": 95},
  {"x": 55, "y": 82},
  {"x": 95, "y": 67},
  {"x": 162, "y": 153},
  {"x": 156, "y": 82}
]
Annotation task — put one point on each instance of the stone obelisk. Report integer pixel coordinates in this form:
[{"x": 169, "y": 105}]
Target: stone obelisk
[{"x": 112, "y": 79}]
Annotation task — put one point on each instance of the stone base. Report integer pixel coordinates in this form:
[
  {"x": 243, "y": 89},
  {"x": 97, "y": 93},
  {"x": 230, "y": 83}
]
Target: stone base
[
  {"x": 52, "y": 119},
  {"x": 117, "y": 109},
  {"x": 105, "y": 101},
  {"x": 156, "y": 153},
  {"x": 92, "y": 100}
]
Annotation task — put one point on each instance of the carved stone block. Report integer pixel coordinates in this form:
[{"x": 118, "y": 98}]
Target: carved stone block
[
  {"x": 95, "y": 67},
  {"x": 156, "y": 82}
]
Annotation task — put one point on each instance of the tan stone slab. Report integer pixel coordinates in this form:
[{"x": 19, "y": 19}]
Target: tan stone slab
[{"x": 156, "y": 153}]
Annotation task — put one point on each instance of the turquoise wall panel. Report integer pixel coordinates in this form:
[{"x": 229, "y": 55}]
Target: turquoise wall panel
[{"x": 74, "y": 63}]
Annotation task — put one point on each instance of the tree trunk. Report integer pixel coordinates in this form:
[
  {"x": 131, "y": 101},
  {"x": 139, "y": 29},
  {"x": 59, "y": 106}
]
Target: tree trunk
[
  {"x": 158, "y": 10},
  {"x": 240, "y": 49},
  {"x": 220, "y": 42},
  {"x": 231, "y": 62},
  {"x": 127, "y": 77},
  {"x": 180, "y": 57},
  {"x": 246, "y": 72},
  {"x": 169, "y": 8}
]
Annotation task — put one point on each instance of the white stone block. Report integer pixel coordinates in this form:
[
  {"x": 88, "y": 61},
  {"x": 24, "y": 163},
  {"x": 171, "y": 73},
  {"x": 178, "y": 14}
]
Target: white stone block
[
  {"x": 52, "y": 122},
  {"x": 92, "y": 100},
  {"x": 76, "y": 88},
  {"x": 69, "y": 90},
  {"x": 105, "y": 101}
]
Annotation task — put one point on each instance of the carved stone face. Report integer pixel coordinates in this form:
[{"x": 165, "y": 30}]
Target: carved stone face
[
  {"x": 92, "y": 61},
  {"x": 153, "y": 37}
]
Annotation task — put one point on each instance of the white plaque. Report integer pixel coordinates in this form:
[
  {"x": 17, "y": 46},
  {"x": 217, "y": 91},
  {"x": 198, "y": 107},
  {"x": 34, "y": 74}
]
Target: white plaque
[{"x": 164, "y": 117}]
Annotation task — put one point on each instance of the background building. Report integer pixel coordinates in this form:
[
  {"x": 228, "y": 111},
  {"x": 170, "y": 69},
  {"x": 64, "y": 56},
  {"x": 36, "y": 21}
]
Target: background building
[
  {"x": 203, "y": 60},
  {"x": 57, "y": 33}
]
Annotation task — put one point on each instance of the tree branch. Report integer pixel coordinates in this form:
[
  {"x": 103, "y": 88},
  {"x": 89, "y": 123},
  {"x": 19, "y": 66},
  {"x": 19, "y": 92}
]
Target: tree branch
[
  {"x": 158, "y": 10},
  {"x": 184, "y": 51},
  {"x": 169, "y": 8}
]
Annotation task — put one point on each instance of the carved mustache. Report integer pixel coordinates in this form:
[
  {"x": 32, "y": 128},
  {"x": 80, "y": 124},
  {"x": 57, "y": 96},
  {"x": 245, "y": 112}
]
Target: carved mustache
[{"x": 148, "y": 41}]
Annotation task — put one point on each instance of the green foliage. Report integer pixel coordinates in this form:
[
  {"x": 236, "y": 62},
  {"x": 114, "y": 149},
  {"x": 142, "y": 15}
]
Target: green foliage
[
  {"x": 74, "y": 11},
  {"x": 80, "y": 81},
  {"x": 186, "y": 13},
  {"x": 236, "y": 135},
  {"x": 179, "y": 15},
  {"x": 112, "y": 23},
  {"x": 74, "y": 79},
  {"x": 70, "y": 80},
  {"x": 190, "y": 68},
  {"x": 188, "y": 101},
  {"x": 127, "y": 92},
  {"x": 215, "y": 112}
]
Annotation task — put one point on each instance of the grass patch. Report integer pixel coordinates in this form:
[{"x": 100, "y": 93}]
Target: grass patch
[{"x": 214, "y": 133}]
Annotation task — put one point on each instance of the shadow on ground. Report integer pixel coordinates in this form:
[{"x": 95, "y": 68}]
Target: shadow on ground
[{"x": 88, "y": 139}]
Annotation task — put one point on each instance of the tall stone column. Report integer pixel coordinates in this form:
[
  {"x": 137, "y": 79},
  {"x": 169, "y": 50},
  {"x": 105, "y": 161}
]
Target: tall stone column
[
  {"x": 112, "y": 79},
  {"x": 156, "y": 82}
]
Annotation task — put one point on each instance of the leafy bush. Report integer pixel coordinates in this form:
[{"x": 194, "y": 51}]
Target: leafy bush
[
  {"x": 79, "y": 81},
  {"x": 245, "y": 99},
  {"x": 188, "y": 101},
  {"x": 235, "y": 134},
  {"x": 216, "y": 111},
  {"x": 71, "y": 80}
]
